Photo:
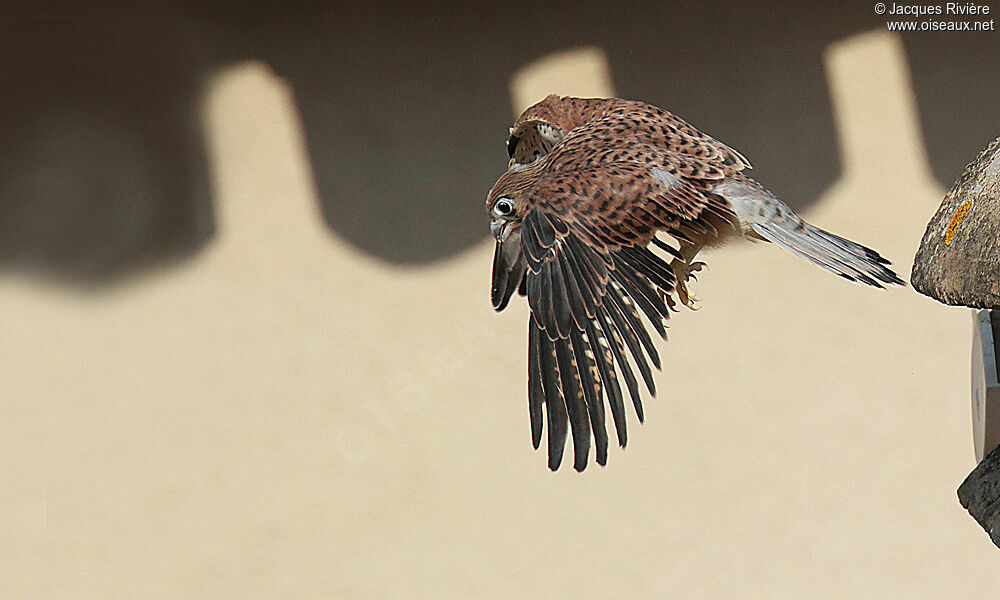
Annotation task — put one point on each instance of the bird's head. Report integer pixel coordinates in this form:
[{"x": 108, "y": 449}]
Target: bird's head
[
  {"x": 506, "y": 202},
  {"x": 507, "y": 205},
  {"x": 544, "y": 124}
]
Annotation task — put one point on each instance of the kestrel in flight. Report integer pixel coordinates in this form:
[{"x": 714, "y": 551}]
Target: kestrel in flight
[{"x": 591, "y": 181}]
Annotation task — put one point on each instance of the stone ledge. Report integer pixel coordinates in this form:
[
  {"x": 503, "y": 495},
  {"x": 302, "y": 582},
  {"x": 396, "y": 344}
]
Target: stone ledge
[
  {"x": 980, "y": 494},
  {"x": 959, "y": 257}
]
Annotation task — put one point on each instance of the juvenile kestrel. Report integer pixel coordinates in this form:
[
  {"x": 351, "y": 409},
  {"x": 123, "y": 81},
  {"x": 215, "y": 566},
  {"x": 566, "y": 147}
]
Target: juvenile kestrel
[{"x": 591, "y": 181}]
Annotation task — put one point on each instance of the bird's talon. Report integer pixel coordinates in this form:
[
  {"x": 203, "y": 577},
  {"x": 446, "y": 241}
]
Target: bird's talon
[
  {"x": 684, "y": 272},
  {"x": 693, "y": 303},
  {"x": 686, "y": 297},
  {"x": 668, "y": 299}
]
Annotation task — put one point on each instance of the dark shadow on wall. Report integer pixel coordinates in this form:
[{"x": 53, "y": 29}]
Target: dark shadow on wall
[
  {"x": 405, "y": 110},
  {"x": 957, "y": 91},
  {"x": 103, "y": 167}
]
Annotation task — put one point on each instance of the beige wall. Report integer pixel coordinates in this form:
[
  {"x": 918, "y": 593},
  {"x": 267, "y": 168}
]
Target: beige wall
[{"x": 285, "y": 415}]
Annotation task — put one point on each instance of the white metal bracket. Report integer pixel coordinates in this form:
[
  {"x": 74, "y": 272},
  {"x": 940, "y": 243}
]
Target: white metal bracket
[{"x": 985, "y": 386}]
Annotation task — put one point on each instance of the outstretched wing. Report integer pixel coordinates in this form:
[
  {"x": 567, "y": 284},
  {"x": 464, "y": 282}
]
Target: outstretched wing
[{"x": 590, "y": 274}]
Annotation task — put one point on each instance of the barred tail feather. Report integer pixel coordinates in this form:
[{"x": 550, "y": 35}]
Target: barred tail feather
[
  {"x": 831, "y": 252},
  {"x": 762, "y": 214}
]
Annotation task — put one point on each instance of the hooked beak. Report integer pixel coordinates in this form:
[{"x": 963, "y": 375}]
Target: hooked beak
[
  {"x": 500, "y": 229},
  {"x": 508, "y": 269}
]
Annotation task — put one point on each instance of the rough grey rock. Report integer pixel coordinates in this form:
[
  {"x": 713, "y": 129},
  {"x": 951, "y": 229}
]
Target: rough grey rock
[
  {"x": 959, "y": 257},
  {"x": 980, "y": 494}
]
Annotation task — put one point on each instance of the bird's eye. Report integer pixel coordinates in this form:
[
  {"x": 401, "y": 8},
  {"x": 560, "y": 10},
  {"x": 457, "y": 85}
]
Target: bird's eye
[{"x": 503, "y": 208}]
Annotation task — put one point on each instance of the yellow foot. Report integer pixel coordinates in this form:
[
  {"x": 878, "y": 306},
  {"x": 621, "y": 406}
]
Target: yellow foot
[{"x": 684, "y": 271}]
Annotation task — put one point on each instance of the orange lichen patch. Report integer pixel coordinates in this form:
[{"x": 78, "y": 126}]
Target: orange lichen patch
[{"x": 960, "y": 215}]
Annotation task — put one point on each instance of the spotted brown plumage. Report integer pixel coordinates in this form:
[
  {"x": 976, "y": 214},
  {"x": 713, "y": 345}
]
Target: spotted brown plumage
[
  {"x": 591, "y": 181},
  {"x": 544, "y": 124}
]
